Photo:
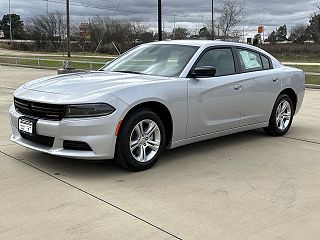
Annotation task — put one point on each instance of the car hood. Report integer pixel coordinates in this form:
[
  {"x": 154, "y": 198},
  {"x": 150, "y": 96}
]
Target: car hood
[{"x": 88, "y": 83}]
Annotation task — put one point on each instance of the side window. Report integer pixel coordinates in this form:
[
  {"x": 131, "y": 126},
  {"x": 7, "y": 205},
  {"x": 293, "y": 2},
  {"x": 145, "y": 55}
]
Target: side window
[
  {"x": 221, "y": 59},
  {"x": 249, "y": 61},
  {"x": 265, "y": 62}
]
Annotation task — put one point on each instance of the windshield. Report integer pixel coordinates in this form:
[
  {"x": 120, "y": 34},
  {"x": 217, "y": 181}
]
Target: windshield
[{"x": 154, "y": 59}]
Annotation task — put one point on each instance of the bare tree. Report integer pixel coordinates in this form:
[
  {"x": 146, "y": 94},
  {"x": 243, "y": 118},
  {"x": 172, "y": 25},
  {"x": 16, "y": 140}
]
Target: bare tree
[
  {"x": 105, "y": 30},
  {"x": 81, "y": 35},
  {"x": 135, "y": 30},
  {"x": 298, "y": 33},
  {"x": 48, "y": 30},
  {"x": 181, "y": 33},
  {"x": 98, "y": 31},
  {"x": 230, "y": 13},
  {"x": 207, "y": 30}
]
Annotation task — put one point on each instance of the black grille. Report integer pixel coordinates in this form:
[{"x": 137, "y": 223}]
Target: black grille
[
  {"x": 43, "y": 140},
  {"x": 40, "y": 110},
  {"x": 75, "y": 145}
]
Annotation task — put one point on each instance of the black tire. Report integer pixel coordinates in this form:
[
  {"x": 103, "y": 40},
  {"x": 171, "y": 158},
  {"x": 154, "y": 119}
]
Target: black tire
[
  {"x": 123, "y": 155},
  {"x": 273, "y": 129}
]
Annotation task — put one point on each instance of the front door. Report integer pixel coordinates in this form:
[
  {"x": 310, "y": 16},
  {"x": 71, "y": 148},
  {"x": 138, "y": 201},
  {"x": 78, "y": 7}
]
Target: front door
[{"x": 215, "y": 103}]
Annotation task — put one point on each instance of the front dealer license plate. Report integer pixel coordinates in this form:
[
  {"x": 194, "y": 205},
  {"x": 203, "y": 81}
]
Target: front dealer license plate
[{"x": 26, "y": 126}]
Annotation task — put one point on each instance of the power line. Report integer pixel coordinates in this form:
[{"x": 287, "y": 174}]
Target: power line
[
  {"x": 94, "y": 6},
  {"x": 116, "y": 9}
]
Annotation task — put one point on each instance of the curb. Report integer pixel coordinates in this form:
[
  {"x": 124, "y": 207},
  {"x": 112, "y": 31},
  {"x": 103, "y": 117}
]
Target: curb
[
  {"x": 313, "y": 86},
  {"x": 27, "y": 66},
  {"x": 36, "y": 67},
  {"x": 312, "y": 73}
]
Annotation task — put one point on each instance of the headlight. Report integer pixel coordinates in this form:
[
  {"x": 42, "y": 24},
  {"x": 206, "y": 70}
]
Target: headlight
[{"x": 89, "y": 110}]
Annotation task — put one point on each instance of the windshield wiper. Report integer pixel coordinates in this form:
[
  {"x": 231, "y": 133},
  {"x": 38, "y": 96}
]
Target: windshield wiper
[{"x": 128, "y": 71}]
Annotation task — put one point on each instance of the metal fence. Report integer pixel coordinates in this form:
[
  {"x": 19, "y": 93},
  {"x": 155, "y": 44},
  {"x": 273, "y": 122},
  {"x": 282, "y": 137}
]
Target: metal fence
[{"x": 49, "y": 63}]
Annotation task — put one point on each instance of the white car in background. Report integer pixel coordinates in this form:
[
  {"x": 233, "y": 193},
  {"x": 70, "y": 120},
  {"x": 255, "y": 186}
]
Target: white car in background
[{"x": 155, "y": 96}]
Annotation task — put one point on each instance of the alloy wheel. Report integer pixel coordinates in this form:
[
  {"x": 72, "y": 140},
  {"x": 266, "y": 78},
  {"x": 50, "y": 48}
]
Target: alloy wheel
[
  {"x": 283, "y": 115},
  {"x": 145, "y": 140}
]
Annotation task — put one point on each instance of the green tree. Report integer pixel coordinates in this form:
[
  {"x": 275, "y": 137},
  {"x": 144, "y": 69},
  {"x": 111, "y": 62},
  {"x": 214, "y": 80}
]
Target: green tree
[
  {"x": 299, "y": 34},
  {"x": 181, "y": 33},
  {"x": 272, "y": 38},
  {"x": 314, "y": 28},
  {"x": 204, "y": 33},
  {"x": 256, "y": 39},
  {"x": 17, "y": 26},
  {"x": 282, "y": 33}
]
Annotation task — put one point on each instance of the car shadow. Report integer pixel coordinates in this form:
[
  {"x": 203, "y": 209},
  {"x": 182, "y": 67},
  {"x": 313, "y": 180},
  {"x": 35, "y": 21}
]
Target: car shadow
[{"x": 93, "y": 169}]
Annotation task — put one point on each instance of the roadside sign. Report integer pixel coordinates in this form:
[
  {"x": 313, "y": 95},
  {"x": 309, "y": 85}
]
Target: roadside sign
[{"x": 260, "y": 29}]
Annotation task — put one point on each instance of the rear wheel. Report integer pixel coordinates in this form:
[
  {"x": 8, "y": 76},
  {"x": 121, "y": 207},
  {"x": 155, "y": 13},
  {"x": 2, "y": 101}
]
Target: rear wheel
[
  {"x": 141, "y": 140},
  {"x": 281, "y": 116}
]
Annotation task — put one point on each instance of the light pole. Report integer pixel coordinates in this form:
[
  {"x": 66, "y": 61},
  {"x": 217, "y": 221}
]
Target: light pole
[
  {"x": 159, "y": 21},
  {"x": 10, "y": 24},
  {"x": 68, "y": 27}
]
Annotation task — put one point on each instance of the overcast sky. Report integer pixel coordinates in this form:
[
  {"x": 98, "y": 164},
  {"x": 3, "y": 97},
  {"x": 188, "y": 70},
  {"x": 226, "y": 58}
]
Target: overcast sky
[{"x": 189, "y": 13}]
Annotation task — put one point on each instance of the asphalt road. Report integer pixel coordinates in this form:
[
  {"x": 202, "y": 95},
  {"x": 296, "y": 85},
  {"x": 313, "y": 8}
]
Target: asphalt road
[{"x": 243, "y": 186}]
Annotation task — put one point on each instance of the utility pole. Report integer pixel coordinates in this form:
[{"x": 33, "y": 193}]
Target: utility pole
[
  {"x": 262, "y": 30},
  {"x": 212, "y": 27},
  {"x": 68, "y": 27},
  {"x": 159, "y": 21},
  {"x": 263, "y": 35},
  {"x": 243, "y": 39},
  {"x": 10, "y": 23}
]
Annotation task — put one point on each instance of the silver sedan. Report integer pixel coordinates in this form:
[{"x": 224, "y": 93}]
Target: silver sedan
[{"x": 155, "y": 96}]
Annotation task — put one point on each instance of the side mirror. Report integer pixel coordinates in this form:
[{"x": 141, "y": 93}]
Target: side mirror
[{"x": 204, "y": 71}]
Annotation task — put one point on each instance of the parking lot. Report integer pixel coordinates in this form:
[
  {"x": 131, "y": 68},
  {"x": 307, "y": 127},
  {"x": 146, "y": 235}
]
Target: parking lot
[{"x": 243, "y": 186}]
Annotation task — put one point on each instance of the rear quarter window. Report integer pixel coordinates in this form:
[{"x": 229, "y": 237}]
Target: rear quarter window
[{"x": 265, "y": 62}]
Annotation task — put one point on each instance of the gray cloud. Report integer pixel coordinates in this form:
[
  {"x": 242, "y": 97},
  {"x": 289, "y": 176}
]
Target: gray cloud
[{"x": 188, "y": 13}]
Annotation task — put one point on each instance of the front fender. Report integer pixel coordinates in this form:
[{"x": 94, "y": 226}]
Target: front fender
[{"x": 171, "y": 93}]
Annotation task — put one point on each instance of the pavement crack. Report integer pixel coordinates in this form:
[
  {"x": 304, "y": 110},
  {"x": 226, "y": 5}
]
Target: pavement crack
[
  {"x": 302, "y": 140},
  {"x": 10, "y": 88},
  {"x": 5, "y": 145},
  {"x": 93, "y": 196}
]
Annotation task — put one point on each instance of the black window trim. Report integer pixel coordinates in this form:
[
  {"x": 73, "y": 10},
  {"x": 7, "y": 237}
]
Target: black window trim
[
  {"x": 235, "y": 60},
  {"x": 257, "y": 52},
  {"x": 269, "y": 61}
]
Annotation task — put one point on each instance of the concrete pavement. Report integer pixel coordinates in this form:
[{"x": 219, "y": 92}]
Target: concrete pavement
[
  {"x": 301, "y": 63},
  {"x": 244, "y": 186}
]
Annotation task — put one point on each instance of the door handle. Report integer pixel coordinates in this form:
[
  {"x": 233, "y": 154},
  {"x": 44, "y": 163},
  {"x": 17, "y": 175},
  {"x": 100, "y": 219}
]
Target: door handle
[
  {"x": 238, "y": 87},
  {"x": 275, "y": 79}
]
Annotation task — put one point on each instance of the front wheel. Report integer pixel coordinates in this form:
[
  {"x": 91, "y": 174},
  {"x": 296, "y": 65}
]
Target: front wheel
[
  {"x": 141, "y": 140},
  {"x": 281, "y": 116}
]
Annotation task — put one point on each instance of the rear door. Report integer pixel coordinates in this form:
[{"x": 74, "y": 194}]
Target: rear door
[{"x": 261, "y": 85}]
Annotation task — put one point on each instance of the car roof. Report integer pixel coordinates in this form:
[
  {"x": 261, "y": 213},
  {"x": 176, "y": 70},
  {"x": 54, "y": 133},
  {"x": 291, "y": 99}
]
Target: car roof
[
  {"x": 207, "y": 43},
  {"x": 211, "y": 43},
  {"x": 198, "y": 43}
]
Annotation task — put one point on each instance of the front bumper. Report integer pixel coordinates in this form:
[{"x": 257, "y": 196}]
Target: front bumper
[{"x": 98, "y": 133}]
